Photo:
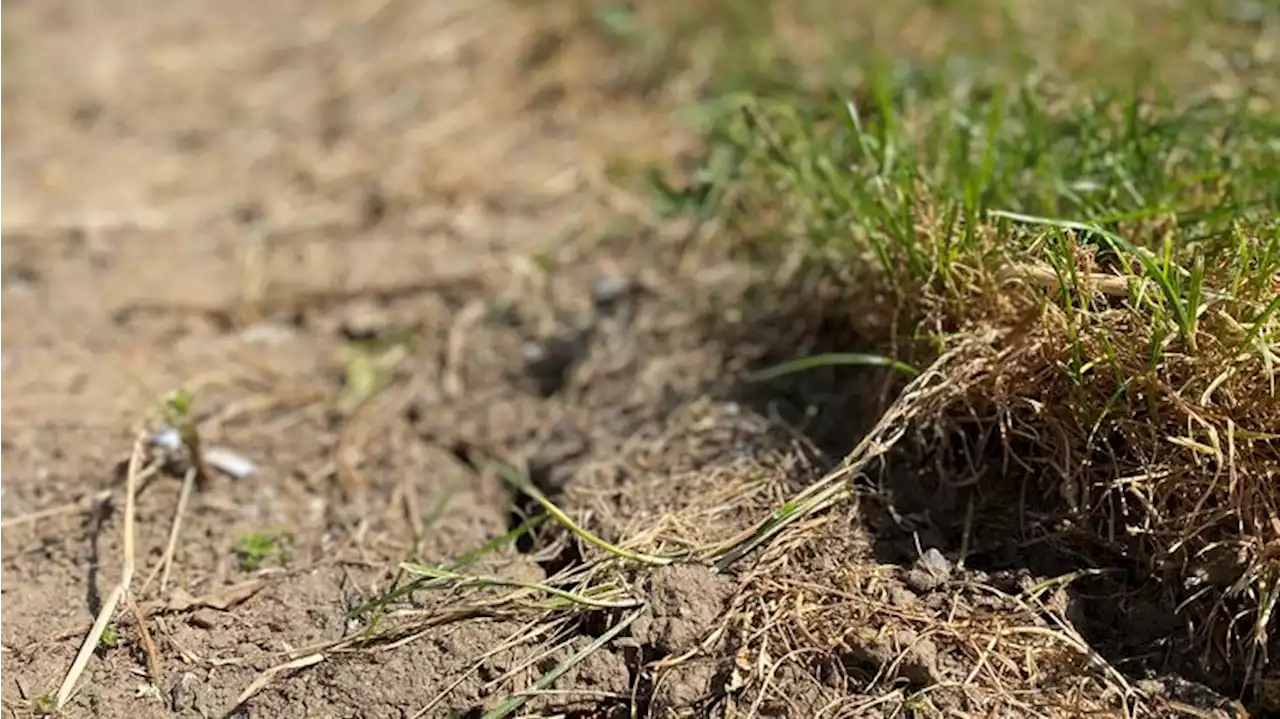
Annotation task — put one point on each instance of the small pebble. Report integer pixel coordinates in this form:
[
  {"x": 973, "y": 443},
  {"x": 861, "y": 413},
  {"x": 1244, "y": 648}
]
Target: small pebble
[
  {"x": 931, "y": 571},
  {"x": 203, "y": 619},
  {"x": 935, "y": 563},
  {"x": 607, "y": 289}
]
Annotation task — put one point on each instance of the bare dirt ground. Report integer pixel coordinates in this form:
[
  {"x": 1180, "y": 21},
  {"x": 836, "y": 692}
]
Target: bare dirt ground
[
  {"x": 220, "y": 200},
  {"x": 224, "y": 200}
]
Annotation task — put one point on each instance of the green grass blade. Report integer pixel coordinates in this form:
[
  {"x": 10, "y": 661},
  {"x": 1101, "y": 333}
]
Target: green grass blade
[
  {"x": 474, "y": 580},
  {"x": 799, "y": 508},
  {"x": 517, "y": 480},
  {"x": 509, "y": 706},
  {"x": 461, "y": 562},
  {"x": 834, "y": 359},
  {"x": 1162, "y": 276}
]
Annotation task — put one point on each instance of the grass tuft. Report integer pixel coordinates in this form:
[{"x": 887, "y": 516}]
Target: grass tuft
[{"x": 1097, "y": 209}]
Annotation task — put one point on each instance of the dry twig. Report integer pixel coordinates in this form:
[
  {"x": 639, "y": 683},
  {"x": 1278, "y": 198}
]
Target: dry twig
[{"x": 122, "y": 587}]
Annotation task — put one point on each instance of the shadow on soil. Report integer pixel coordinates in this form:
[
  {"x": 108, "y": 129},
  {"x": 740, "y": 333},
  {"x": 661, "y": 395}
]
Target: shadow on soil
[
  {"x": 1018, "y": 527},
  {"x": 1015, "y": 534}
]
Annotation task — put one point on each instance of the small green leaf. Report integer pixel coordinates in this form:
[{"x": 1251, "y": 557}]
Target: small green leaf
[
  {"x": 179, "y": 401},
  {"x": 254, "y": 548},
  {"x": 110, "y": 638},
  {"x": 670, "y": 201},
  {"x": 43, "y": 705}
]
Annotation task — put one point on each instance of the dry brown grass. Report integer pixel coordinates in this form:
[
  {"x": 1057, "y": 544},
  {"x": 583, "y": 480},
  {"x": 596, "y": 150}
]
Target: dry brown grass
[{"x": 1148, "y": 440}]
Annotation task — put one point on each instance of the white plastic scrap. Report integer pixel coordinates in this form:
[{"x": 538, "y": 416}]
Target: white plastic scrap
[
  {"x": 219, "y": 458},
  {"x": 229, "y": 462},
  {"x": 167, "y": 438}
]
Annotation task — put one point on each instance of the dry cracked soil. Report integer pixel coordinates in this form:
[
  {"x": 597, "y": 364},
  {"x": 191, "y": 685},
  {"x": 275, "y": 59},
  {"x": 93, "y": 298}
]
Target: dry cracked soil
[{"x": 231, "y": 200}]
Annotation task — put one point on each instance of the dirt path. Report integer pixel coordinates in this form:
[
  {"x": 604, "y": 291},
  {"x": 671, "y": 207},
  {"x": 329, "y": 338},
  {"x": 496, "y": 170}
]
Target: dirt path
[{"x": 223, "y": 200}]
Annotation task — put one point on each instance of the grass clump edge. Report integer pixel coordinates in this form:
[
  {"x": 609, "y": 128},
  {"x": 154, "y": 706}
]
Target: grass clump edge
[{"x": 1120, "y": 251}]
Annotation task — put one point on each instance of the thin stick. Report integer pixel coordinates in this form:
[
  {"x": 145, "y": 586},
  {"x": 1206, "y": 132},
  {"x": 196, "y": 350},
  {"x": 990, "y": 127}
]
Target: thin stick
[
  {"x": 455, "y": 348},
  {"x": 126, "y": 576},
  {"x": 83, "y": 504},
  {"x": 512, "y": 703},
  {"x": 166, "y": 561},
  {"x": 148, "y": 644},
  {"x": 184, "y": 495},
  {"x": 515, "y": 640},
  {"x": 265, "y": 678}
]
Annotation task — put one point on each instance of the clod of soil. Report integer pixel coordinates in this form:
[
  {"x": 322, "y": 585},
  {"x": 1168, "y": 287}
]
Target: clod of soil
[{"x": 685, "y": 603}]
